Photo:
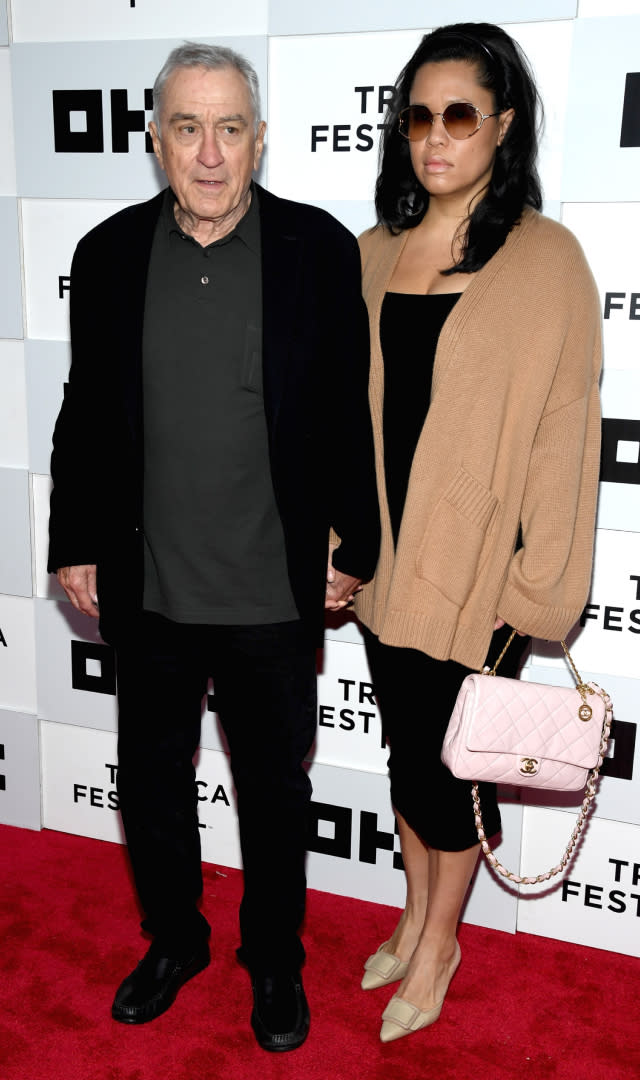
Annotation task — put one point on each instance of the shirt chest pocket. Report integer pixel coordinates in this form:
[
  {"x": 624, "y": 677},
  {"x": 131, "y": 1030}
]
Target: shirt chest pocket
[
  {"x": 251, "y": 376},
  {"x": 449, "y": 554}
]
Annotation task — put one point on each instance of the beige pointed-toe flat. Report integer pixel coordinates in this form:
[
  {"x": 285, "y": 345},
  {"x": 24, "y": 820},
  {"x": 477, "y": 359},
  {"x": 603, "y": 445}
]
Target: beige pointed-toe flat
[
  {"x": 383, "y": 968},
  {"x": 401, "y": 1017}
]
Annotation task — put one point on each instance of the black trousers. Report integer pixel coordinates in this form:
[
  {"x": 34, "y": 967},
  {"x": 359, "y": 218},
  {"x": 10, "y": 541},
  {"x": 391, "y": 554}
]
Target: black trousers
[
  {"x": 416, "y": 695},
  {"x": 265, "y": 687}
]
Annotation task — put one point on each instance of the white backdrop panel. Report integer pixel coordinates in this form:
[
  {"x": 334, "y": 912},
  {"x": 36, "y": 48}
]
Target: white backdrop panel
[
  {"x": 323, "y": 143},
  {"x": 17, "y": 654},
  {"x": 13, "y": 405},
  {"x": 19, "y": 770},
  {"x": 356, "y": 851},
  {"x": 598, "y": 901},
  {"x": 44, "y": 584},
  {"x": 618, "y": 791},
  {"x": 47, "y": 369},
  {"x": 80, "y": 797},
  {"x": 343, "y": 626},
  {"x": 217, "y": 809},
  {"x": 77, "y": 20},
  {"x": 610, "y": 640},
  {"x": 15, "y": 538},
  {"x": 548, "y": 47},
  {"x": 608, "y": 7},
  {"x": 619, "y": 503},
  {"x": 50, "y": 231},
  {"x": 355, "y": 838},
  {"x": 349, "y": 729},
  {"x": 73, "y": 139},
  {"x": 4, "y": 29},
  {"x": 76, "y": 671},
  {"x": 7, "y": 158},
  {"x": 293, "y": 17},
  {"x": 10, "y": 276},
  {"x": 597, "y": 167},
  {"x": 78, "y": 789},
  {"x": 610, "y": 235}
]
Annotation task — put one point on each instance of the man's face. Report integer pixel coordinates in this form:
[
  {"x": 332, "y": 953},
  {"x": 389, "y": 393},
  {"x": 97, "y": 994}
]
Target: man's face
[{"x": 207, "y": 145}]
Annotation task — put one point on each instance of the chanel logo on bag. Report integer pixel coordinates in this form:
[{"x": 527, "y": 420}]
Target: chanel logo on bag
[{"x": 529, "y": 766}]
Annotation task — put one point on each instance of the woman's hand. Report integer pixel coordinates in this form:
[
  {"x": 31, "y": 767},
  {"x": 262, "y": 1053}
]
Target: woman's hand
[{"x": 499, "y": 623}]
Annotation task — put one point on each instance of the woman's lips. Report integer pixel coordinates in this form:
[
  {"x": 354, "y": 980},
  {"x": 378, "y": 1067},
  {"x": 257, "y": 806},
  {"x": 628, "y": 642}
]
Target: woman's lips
[{"x": 436, "y": 165}]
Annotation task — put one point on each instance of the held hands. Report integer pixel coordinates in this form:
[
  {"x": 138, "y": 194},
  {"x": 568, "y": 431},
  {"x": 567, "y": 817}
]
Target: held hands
[
  {"x": 499, "y": 623},
  {"x": 341, "y": 588},
  {"x": 79, "y": 583}
]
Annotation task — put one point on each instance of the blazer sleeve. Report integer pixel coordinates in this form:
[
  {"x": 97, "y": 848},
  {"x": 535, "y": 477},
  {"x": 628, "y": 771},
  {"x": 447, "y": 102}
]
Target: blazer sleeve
[
  {"x": 351, "y": 478},
  {"x": 79, "y": 444}
]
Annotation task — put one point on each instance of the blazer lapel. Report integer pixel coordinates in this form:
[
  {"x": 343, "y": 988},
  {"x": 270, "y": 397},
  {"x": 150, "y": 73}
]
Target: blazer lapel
[
  {"x": 132, "y": 276},
  {"x": 281, "y": 283}
]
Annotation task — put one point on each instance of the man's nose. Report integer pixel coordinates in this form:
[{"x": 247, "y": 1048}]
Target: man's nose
[{"x": 210, "y": 152}]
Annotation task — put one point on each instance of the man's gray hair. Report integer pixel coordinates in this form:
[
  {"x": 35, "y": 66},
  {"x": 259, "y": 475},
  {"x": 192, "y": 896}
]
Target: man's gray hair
[{"x": 213, "y": 58}]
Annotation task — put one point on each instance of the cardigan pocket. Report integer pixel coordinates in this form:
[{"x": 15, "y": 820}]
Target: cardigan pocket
[{"x": 450, "y": 551}]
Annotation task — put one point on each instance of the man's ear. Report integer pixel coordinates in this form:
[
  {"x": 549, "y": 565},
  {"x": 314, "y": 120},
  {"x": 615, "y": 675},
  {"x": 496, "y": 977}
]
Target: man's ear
[{"x": 157, "y": 143}]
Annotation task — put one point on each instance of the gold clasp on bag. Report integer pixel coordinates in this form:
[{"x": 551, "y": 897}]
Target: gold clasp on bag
[
  {"x": 585, "y": 712},
  {"x": 528, "y": 766}
]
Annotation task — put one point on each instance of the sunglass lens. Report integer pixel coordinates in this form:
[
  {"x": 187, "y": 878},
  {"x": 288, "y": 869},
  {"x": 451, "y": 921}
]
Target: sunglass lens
[
  {"x": 415, "y": 122},
  {"x": 460, "y": 119}
]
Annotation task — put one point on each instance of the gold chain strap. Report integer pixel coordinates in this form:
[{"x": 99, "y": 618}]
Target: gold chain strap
[
  {"x": 583, "y": 688},
  {"x": 590, "y": 791}
]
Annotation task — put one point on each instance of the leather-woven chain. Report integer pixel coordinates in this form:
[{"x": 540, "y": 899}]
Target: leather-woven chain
[{"x": 589, "y": 794}]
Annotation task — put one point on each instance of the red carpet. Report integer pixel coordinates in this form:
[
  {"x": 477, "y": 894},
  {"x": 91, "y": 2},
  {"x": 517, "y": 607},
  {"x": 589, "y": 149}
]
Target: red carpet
[{"x": 520, "y": 1006}]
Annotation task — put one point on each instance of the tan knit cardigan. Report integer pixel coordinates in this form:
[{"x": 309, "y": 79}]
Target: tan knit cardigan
[{"x": 512, "y": 436}]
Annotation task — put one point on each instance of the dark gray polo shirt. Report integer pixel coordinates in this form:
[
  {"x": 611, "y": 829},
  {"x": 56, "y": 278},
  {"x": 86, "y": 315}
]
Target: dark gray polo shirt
[{"x": 214, "y": 545}]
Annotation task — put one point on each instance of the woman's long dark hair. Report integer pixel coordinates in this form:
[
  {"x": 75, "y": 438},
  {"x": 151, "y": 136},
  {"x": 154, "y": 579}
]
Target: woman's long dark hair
[{"x": 502, "y": 68}]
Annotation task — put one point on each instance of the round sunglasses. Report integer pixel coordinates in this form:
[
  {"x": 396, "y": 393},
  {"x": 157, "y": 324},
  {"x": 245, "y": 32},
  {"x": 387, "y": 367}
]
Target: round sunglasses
[{"x": 461, "y": 120}]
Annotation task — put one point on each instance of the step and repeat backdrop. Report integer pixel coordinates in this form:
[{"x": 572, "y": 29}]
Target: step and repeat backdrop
[{"x": 75, "y": 100}]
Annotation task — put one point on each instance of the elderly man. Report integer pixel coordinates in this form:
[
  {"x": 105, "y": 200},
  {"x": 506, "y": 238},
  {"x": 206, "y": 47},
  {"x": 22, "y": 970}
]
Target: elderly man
[{"x": 214, "y": 428}]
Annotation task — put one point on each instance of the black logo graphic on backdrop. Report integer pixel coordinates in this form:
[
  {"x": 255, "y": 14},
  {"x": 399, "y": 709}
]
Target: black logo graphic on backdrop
[
  {"x": 78, "y": 121},
  {"x": 339, "y": 137},
  {"x": 3, "y": 639},
  {"x": 351, "y": 718},
  {"x": 3, "y": 779},
  {"x": 218, "y": 795},
  {"x": 623, "y": 739},
  {"x": 619, "y": 900},
  {"x": 614, "y": 617},
  {"x": 617, "y": 301},
  {"x": 100, "y": 798},
  {"x": 370, "y": 839},
  {"x": 612, "y": 469},
  {"x": 630, "y": 130},
  {"x": 103, "y": 682}
]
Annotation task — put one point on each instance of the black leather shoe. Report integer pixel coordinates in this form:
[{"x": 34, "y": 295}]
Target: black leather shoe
[
  {"x": 153, "y": 985},
  {"x": 280, "y": 1017}
]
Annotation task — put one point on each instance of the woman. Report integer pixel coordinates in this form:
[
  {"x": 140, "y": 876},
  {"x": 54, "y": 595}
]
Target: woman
[{"x": 485, "y": 313}]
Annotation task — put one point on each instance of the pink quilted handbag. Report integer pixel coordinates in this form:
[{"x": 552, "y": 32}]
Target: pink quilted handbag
[{"x": 529, "y": 734}]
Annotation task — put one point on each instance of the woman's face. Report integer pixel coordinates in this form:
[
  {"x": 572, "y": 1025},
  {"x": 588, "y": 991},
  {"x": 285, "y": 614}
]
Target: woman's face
[{"x": 448, "y": 168}]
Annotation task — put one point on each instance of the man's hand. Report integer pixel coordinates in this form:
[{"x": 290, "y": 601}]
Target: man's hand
[
  {"x": 341, "y": 588},
  {"x": 79, "y": 583}
]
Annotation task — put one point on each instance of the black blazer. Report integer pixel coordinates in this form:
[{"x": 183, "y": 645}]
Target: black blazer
[{"x": 316, "y": 362}]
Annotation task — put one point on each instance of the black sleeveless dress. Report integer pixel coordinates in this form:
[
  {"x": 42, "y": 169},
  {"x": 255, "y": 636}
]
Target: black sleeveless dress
[{"x": 415, "y": 692}]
